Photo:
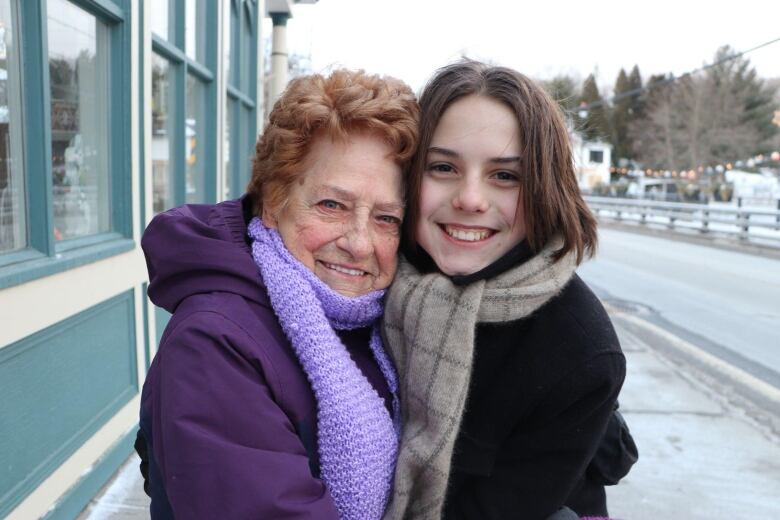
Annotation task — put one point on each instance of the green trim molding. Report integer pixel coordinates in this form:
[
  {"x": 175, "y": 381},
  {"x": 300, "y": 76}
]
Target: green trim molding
[
  {"x": 60, "y": 386},
  {"x": 38, "y": 266}
]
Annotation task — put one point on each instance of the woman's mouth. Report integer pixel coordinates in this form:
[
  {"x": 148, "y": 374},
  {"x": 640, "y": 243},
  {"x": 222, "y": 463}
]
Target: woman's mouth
[
  {"x": 344, "y": 270},
  {"x": 470, "y": 234}
]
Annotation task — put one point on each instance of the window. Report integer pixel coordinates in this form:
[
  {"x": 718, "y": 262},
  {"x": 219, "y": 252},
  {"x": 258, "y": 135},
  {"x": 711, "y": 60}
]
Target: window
[
  {"x": 196, "y": 140},
  {"x": 162, "y": 130},
  {"x": 65, "y": 172},
  {"x": 13, "y": 211},
  {"x": 596, "y": 156},
  {"x": 183, "y": 104},
  {"x": 160, "y": 10},
  {"x": 241, "y": 25},
  {"x": 79, "y": 54}
]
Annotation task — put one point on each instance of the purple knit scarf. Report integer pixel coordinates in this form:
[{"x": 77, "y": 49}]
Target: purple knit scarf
[{"x": 357, "y": 438}]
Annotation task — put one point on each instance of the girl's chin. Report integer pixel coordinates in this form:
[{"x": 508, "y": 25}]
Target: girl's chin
[{"x": 463, "y": 268}]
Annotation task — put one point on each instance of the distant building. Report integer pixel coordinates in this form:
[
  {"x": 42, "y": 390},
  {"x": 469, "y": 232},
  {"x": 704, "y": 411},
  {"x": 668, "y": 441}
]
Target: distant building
[{"x": 592, "y": 160}]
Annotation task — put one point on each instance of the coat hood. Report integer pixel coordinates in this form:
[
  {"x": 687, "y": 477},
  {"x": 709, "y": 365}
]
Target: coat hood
[{"x": 199, "y": 248}]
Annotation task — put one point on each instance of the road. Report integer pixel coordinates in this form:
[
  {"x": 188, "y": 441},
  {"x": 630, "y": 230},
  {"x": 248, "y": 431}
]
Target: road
[{"x": 725, "y": 302}]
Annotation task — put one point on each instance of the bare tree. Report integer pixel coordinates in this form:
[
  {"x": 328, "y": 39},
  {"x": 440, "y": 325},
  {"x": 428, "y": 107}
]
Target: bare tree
[{"x": 719, "y": 115}]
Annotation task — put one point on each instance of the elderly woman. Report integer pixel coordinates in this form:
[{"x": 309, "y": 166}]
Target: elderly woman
[{"x": 271, "y": 395}]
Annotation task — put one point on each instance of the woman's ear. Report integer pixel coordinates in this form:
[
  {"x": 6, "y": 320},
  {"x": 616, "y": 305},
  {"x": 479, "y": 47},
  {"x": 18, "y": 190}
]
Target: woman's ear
[{"x": 269, "y": 218}]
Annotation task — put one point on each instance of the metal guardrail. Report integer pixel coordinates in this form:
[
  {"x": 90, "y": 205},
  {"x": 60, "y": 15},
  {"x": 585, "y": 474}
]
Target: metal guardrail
[{"x": 742, "y": 222}]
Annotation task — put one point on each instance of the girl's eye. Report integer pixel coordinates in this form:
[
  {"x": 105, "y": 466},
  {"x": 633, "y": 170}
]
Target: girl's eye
[
  {"x": 441, "y": 167},
  {"x": 330, "y": 204},
  {"x": 506, "y": 176}
]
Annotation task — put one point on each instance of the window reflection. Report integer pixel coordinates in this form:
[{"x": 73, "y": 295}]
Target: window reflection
[
  {"x": 13, "y": 233},
  {"x": 227, "y": 36},
  {"x": 246, "y": 54},
  {"x": 226, "y": 151},
  {"x": 78, "y": 72},
  {"x": 195, "y": 29},
  {"x": 159, "y": 17},
  {"x": 195, "y": 140},
  {"x": 162, "y": 133}
]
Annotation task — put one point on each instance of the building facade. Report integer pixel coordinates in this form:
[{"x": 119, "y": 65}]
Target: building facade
[
  {"x": 592, "y": 160},
  {"x": 110, "y": 112}
]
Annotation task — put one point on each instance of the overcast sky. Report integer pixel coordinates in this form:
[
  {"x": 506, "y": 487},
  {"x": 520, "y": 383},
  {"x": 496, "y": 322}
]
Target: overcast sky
[{"x": 410, "y": 38}]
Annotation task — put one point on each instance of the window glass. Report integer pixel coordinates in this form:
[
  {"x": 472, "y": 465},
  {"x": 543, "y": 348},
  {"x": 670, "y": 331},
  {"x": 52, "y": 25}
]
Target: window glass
[
  {"x": 227, "y": 36},
  {"x": 246, "y": 53},
  {"x": 227, "y": 174},
  {"x": 159, "y": 17},
  {"x": 13, "y": 233},
  {"x": 195, "y": 30},
  {"x": 195, "y": 140},
  {"x": 162, "y": 134},
  {"x": 596, "y": 156},
  {"x": 78, "y": 72},
  {"x": 247, "y": 147}
]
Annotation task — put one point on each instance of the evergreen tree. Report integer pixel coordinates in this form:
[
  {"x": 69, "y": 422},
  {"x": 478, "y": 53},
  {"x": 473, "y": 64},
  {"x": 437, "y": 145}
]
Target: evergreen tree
[
  {"x": 637, "y": 108},
  {"x": 563, "y": 89},
  {"x": 594, "y": 126},
  {"x": 621, "y": 118},
  {"x": 753, "y": 96}
]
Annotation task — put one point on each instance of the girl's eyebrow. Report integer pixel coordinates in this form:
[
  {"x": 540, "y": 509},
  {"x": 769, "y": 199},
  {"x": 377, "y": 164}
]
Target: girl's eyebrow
[
  {"x": 452, "y": 153},
  {"x": 443, "y": 151}
]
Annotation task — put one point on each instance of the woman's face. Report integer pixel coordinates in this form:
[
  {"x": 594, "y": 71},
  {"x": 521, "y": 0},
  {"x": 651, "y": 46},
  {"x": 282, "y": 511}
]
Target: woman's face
[
  {"x": 470, "y": 210},
  {"x": 342, "y": 218}
]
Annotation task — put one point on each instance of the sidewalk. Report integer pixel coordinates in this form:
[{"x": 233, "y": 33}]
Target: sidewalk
[{"x": 709, "y": 446}]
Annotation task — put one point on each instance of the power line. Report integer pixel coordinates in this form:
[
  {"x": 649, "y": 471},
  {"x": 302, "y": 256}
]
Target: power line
[{"x": 672, "y": 78}]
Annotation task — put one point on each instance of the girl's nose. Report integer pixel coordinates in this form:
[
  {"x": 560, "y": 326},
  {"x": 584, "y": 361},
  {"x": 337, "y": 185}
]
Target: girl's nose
[{"x": 471, "y": 197}]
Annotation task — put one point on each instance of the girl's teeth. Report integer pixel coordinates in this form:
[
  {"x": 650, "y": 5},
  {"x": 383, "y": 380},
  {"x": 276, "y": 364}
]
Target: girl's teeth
[
  {"x": 351, "y": 272},
  {"x": 468, "y": 236}
]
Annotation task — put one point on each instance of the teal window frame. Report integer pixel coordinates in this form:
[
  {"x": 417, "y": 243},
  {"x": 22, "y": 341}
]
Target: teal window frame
[
  {"x": 242, "y": 102},
  {"x": 43, "y": 255},
  {"x": 173, "y": 51}
]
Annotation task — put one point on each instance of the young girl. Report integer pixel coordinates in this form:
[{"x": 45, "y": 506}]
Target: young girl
[{"x": 509, "y": 367}]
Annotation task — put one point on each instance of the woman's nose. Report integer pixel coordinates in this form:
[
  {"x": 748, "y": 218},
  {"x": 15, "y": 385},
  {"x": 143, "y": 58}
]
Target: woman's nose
[
  {"x": 470, "y": 197},
  {"x": 356, "y": 239}
]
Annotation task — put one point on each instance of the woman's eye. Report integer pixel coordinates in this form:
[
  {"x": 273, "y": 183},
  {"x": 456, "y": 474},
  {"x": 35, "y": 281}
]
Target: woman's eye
[
  {"x": 330, "y": 204},
  {"x": 390, "y": 219}
]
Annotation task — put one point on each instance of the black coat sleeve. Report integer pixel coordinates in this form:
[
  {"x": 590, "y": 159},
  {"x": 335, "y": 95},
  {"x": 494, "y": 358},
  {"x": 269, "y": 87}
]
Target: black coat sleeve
[{"x": 532, "y": 470}]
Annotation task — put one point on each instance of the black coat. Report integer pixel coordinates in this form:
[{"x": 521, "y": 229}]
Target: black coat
[{"x": 542, "y": 393}]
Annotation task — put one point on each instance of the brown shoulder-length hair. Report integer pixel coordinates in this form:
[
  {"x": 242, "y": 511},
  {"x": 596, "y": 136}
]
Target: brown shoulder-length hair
[
  {"x": 343, "y": 103},
  {"x": 551, "y": 199}
]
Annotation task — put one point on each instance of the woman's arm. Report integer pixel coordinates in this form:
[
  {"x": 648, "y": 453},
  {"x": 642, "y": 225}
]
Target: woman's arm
[{"x": 223, "y": 445}]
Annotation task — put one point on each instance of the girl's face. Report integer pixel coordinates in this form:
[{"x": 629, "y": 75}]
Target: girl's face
[{"x": 470, "y": 208}]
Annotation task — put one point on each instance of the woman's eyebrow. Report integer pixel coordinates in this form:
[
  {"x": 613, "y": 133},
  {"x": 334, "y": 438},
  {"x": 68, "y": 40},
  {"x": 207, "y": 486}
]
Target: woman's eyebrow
[{"x": 329, "y": 189}]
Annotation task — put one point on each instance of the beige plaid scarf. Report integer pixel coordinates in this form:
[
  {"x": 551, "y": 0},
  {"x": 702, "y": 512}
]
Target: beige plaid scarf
[{"x": 429, "y": 326}]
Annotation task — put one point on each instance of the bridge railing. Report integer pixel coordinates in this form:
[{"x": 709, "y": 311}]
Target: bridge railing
[{"x": 744, "y": 223}]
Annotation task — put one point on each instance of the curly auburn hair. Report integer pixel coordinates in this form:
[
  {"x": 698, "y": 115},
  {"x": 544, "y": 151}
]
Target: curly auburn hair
[{"x": 343, "y": 103}]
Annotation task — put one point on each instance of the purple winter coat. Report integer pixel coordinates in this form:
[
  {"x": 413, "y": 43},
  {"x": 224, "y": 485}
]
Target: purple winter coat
[{"x": 227, "y": 413}]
